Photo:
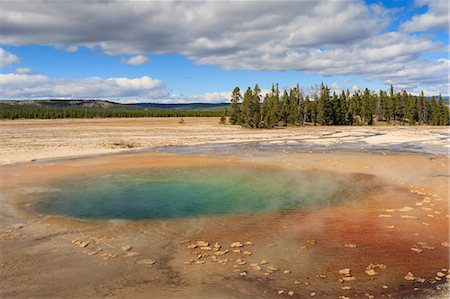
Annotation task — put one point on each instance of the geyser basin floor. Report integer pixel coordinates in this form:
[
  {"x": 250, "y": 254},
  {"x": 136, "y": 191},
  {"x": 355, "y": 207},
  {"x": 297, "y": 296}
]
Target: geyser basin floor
[{"x": 40, "y": 260}]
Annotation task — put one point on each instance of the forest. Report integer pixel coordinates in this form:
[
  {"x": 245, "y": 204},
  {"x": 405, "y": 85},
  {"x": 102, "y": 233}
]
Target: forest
[
  {"x": 320, "y": 107},
  {"x": 51, "y": 109}
]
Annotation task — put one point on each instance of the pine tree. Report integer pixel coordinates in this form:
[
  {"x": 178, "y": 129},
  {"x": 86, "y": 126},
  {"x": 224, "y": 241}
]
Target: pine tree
[{"x": 235, "y": 117}]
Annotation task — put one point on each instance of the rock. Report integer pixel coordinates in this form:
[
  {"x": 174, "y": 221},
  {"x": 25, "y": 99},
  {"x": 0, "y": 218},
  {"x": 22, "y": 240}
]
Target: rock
[
  {"x": 221, "y": 252},
  {"x": 390, "y": 226},
  {"x": 312, "y": 294},
  {"x": 321, "y": 276},
  {"x": 346, "y": 288},
  {"x": 256, "y": 268},
  {"x": 126, "y": 248},
  {"x": 374, "y": 266},
  {"x": 349, "y": 245},
  {"x": 347, "y": 279},
  {"x": 426, "y": 224},
  {"x": 344, "y": 297},
  {"x": 132, "y": 254},
  {"x": 243, "y": 273},
  {"x": 311, "y": 242},
  {"x": 291, "y": 293},
  {"x": 199, "y": 262},
  {"x": 263, "y": 262},
  {"x": 184, "y": 242},
  {"x": 206, "y": 248},
  {"x": 409, "y": 277},
  {"x": 191, "y": 246},
  {"x": 345, "y": 271},
  {"x": 447, "y": 276},
  {"x": 445, "y": 244},
  {"x": 408, "y": 217},
  {"x": 405, "y": 209},
  {"x": 384, "y": 216},
  {"x": 236, "y": 245},
  {"x": 428, "y": 247},
  {"x": 418, "y": 250},
  {"x": 384, "y": 286},
  {"x": 217, "y": 245},
  {"x": 297, "y": 282},
  {"x": 420, "y": 280},
  {"x": 440, "y": 274},
  {"x": 202, "y": 243},
  {"x": 304, "y": 248},
  {"x": 240, "y": 262},
  {"x": 80, "y": 243},
  {"x": 306, "y": 283},
  {"x": 237, "y": 250},
  {"x": 18, "y": 225},
  {"x": 272, "y": 269},
  {"x": 371, "y": 272},
  {"x": 247, "y": 253},
  {"x": 249, "y": 243},
  {"x": 146, "y": 262},
  {"x": 281, "y": 292},
  {"x": 287, "y": 272}
]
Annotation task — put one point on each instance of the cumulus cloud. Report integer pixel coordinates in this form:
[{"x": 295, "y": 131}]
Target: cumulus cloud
[
  {"x": 436, "y": 17},
  {"x": 16, "y": 85},
  {"x": 321, "y": 37},
  {"x": 7, "y": 58},
  {"x": 135, "y": 60},
  {"x": 23, "y": 70}
]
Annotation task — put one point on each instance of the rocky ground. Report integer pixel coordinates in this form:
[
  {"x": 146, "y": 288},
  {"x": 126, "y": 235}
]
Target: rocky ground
[{"x": 393, "y": 242}]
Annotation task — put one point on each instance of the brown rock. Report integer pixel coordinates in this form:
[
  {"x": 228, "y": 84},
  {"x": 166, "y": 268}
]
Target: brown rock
[
  {"x": 345, "y": 271},
  {"x": 236, "y": 245},
  {"x": 371, "y": 272},
  {"x": 126, "y": 248},
  {"x": 146, "y": 262}
]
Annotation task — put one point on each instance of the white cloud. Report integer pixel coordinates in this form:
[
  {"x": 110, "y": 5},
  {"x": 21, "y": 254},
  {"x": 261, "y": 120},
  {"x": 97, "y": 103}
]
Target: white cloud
[
  {"x": 135, "y": 60},
  {"x": 321, "y": 37},
  {"x": 23, "y": 70},
  {"x": 436, "y": 17},
  {"x": 7, "y": 58},
  {"x": 40, "y": 86},
  {"x": 208, "y": 97}
]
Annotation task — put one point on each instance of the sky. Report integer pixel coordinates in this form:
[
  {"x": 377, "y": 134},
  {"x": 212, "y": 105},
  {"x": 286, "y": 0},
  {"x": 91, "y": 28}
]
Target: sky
[{"x": 198, "y": 51}]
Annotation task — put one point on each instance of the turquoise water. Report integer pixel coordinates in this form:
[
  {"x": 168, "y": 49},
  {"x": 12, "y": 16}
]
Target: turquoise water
[{"x": 178, "y": 193}]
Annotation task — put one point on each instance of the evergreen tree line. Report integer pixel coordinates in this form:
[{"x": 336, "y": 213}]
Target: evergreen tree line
[
  {"x": 15, "y": 112},
  {"x": 291, "y": 107}
]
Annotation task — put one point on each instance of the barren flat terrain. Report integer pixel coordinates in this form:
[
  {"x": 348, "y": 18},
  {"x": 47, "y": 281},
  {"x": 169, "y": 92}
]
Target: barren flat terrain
[
  {"x": 384, "y": 235},
  {"x": 26, "y": 140}
]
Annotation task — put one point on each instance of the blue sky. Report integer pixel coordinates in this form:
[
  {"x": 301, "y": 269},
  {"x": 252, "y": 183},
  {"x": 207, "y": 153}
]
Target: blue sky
[{"x": 195, "y": 51}]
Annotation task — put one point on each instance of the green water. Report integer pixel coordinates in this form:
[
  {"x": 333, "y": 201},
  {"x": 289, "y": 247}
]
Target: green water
[{"x": 177, "y": 193}]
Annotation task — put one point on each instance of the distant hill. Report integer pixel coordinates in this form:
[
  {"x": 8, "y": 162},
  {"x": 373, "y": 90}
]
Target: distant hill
[{"x": 76, "y": 108}]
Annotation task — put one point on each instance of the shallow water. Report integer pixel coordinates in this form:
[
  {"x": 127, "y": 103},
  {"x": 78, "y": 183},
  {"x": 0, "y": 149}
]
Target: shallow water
[{"x": 190, "y": 192}]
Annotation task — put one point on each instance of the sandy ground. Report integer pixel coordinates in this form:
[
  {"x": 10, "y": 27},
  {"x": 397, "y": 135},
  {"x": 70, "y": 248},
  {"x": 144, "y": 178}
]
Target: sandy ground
[
  {"x": 400, "y": 224},
  {"x": 26, "y": 140}
]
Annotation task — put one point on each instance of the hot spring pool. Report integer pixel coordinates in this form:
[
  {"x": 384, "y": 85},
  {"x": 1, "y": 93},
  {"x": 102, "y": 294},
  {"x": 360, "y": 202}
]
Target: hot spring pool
[{"x": 192, "y": 192}]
